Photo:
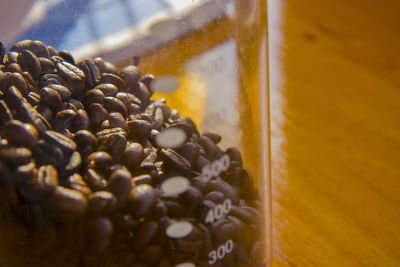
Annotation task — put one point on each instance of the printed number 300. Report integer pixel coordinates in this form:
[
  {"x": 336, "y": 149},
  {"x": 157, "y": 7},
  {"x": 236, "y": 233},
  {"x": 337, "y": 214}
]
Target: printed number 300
[{"x": 220, "y": 252}]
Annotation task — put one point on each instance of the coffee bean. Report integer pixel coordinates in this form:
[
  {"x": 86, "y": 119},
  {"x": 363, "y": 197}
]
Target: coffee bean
[
  {"x": 120, "y": 185},
  {"x": 64, "y": 118},
  {"x": 14, "y": 67},
  {"x": 242, "y": 214},
  {"x": 92, "y": 72},
  {"x": 117, "y": 120},
  {"x": 74, "y": 163},
  {"x": 99, "y": 160},
  {"x": 190, "y": 151},
  {"x": 139, "y": 128},
  {"x": 17, "y": 80},
  {"x": 26, "y": 172},
  {"x": 99, "y": 227},
  {"x": 2, "y": 51},
  {"x": 15, "y": 156},
  {"x": 112, "y": 79},
  {"x": 151, "y": 254},
  {"x": 213, "y": 152},
  {"x": 66, "y": 56},
  {"x": 142, "y": 92},
  {"x": 131, "y": 75},
  {"x": 13, "y": 97},
  {"x": 142, "y": 199},
  {"x": 10, "y": 58},
  {"x": 114, "y": 144},
  {"x": 5, "y": 113},
  {"x": 147, "y": 80},
  {"x": 97, "y": 114},
  {"x": 67, "y": 204},
  {"x": 128, "y": 98},
  {"x": 46, "y": 65},
  {"x": 113, "y": 104},
  {"x": 142, "y": 179},
  {"x": 144, "y": 234},
  {"x": 20, "y": 134},
  {"x": 72, "y": 75},
  {"x": 63, "y": 91},
  {"x": 102, "y": 202},
  {"x": 192, "y": 196},
  {"x": 36, "y": 47},
  {"x": 46, "y": 153},
  {"x": 33, "y": 98},
  {"x": 191, "y": 243},
  {"x": 80, "y": 121},
  {"x": 94, "y": 180},
  {"x": 228, "y": 190},
  {"x": 50, "y": 97},
  {"x": 174, "y": 162},
  {"x": 94, "y": 96},
  {"x": 76, "y": 182},
  {"x": 215, "y": 196},
  {"x": 84, "y": 138},
  {"x": 47, "y": 178},
  {"x": 30, "y": 62},
  {"x": 60, "y": 140},
  {"x": 223, "y": 230}
]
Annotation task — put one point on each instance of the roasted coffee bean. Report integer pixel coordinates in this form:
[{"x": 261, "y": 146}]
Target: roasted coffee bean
[
  {"x": 242, "y": 214},
  {"x": 105, "y": 67},
  {"x": 44, "y": 241},
  {"x": 113, "y": 79},
  {"x": 223, "y": 230},
  {"x": 174, "y": 162},
  {"x": 128, "y": 98},
  {"x": 72, "y": 75},
  {"x": 190, "y": 151},
  {"x": 84, "y": 138},
  {"x": 120, "y": 185},
  {"x": 2, "y": 51},
  {"x": 33, "y": 98},
  {"x": 117, "y": 120},
  {"x": 20, "y": 134},
  {"x": 60, "y": 140},
  {"x": 67, "y": 204},
  {"x": 63, "y": 91},
  {"x": 36, "y": 47},
  {"x": 17, "y": 80},
  {"x": 213, "y": 152},
  {"x": 15, "y": 156},
  {"x": 94, "y": 96},
  {"x": 201, "y": 183},
  {"x": 139, "y": 128},
  {"x": 192, "y": 196},
  {"x": 234, "y": 155},
  {"x": 228, "y": 190},
  {"x": 142, "y": 199},
  {"x": 92, "y": 72},
  {"x": 76, "y": 182},
  {"x": 46, "y": 65},
  {"x": 102, "y": 202},
  {"x": 5, "y": 113},
  {"x": 99, "y": 227},
  {"x": 13, "y": 97},
  {"x": 133, "y": 155},
  {"x": 30, "y": 62},
  {"x": 10, "y": 58},
  {"x": 47, "y": 178},
  {"x": 26, "y": 172},
  {"x": 113, "y": 104},
  {"x": 142, "y": 179},
  {"x": 191, "y": 243},
  {"x": 78, "y": 104},
  {"x": 175, "y": 209},
  {"x": 47, "y": 153},
  {"x": 131, "y": 75},
  {"x": 145, "y": 233},
  {"x": 142, "y": 92},
  {"x": 108, "y": 89},
  {"x": 14, "y": 68},
  {"x": 66, "y": 56},
  {"x": 64, "y": 118},
  {"x": 215, "y": 196},
  {"x": 216, "y": 138},
  {"x": 97, "y": 114},
  {"x": 74, "y": 163},
  {"x": 114, "y": 144},
  {"x": 99, "y": 160},
  {"x": 80, "y": 121},
  {"x": 50, "y": 97},
  {"x": 148, "y": 80}
]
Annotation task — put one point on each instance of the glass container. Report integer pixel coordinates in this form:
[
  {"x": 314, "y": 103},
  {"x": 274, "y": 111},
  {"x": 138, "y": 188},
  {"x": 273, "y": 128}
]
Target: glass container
[{"x": 134, "y": 133}]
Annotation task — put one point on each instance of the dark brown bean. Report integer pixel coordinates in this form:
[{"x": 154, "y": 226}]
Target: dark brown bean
[
  {"x": 192, "y": 196},
  {"x": 45, "y": 112},
  {"x": 131, "y": 75},
  {"x": 113, "y": 79},
  {"x": 228, "y": 190},
  {"x": 113, "y": 104},
  {"x": 99, "y": 227},
  {"x": 142, "y": 199},
  {"x": 76, "y": 182},
  {"x": 94, "y": 180},
  {"x": 142, "y": 179},
  {"x": 36, "y": 47},
  {"x": 142, "y": 92},
  {"x": 80, "y": 121},
  {"x": 64, "y": 118},
  {"x": 174, "y": 162},
  {"x": 242, "y": 214},
  {"x": 120, "y": 185},
  {"x": 105, "y": 67},
  {"x": 30, "y": 62},
  {"x": 63, "y": 91},
  {"x": 15, "y": 156},
  {"x": 102, "y": 202},
  {"x": 133, "y": 155},
  {"x": 84, "y": 138},
  {"x": 14, "y": 68},
  {"x": 60, "y": 140},
  {"x": 5, "y": 112},
  {"x": 47, "y": 153},
  {"x": 74, "y": 163},
  {"x": 215, "y": 196},
  {"x": 47, "y": 66},
  {"x": 10, "y": 57},
  {"x": 94, "y": 96},
  {"x": 128, "y": 98},
  {"x": 33, "y": 98},
  {"x": 92, "y": 72},
  {"x": 139, "y": 128},
  {"x": 190, "y": 151},
  {"x": 114, "y": 144},
  {"x": 20, "y": 134},
  {"x": 191, "y": 243},
  {"x": 50, "y": 97},
  {"x": 144, "y": 234},
  {"x": 66, "y": 56},
  {"x": 47, "y": 178},
  {"x": 151, "y": 254},
  {"x": 108, "y": 89},
  {"x": 67, "y": 204},
  {"x": 13, "y": 97},
  {"x": 175, "y": 209},
  {"x": 117, "y": 120},
  {"x": 2, "y": 51},
  {"x": 223, "y": 230},
  {"x": 97, "y": 114},
  {"x": 72, "y": 75}
]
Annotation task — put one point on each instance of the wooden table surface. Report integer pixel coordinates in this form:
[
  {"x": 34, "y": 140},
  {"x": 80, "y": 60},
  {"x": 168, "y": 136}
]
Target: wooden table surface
[{"x": 336, "y": 133}]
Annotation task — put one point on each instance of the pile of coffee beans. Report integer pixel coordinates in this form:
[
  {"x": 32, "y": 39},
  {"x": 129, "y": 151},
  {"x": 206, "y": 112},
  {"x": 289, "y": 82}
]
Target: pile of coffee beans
[{"x": 93, "y": 172}]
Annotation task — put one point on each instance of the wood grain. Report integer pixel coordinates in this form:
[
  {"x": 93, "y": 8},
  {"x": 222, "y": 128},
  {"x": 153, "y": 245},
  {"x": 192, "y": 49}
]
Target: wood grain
[{"x": 336, "y": 184}]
